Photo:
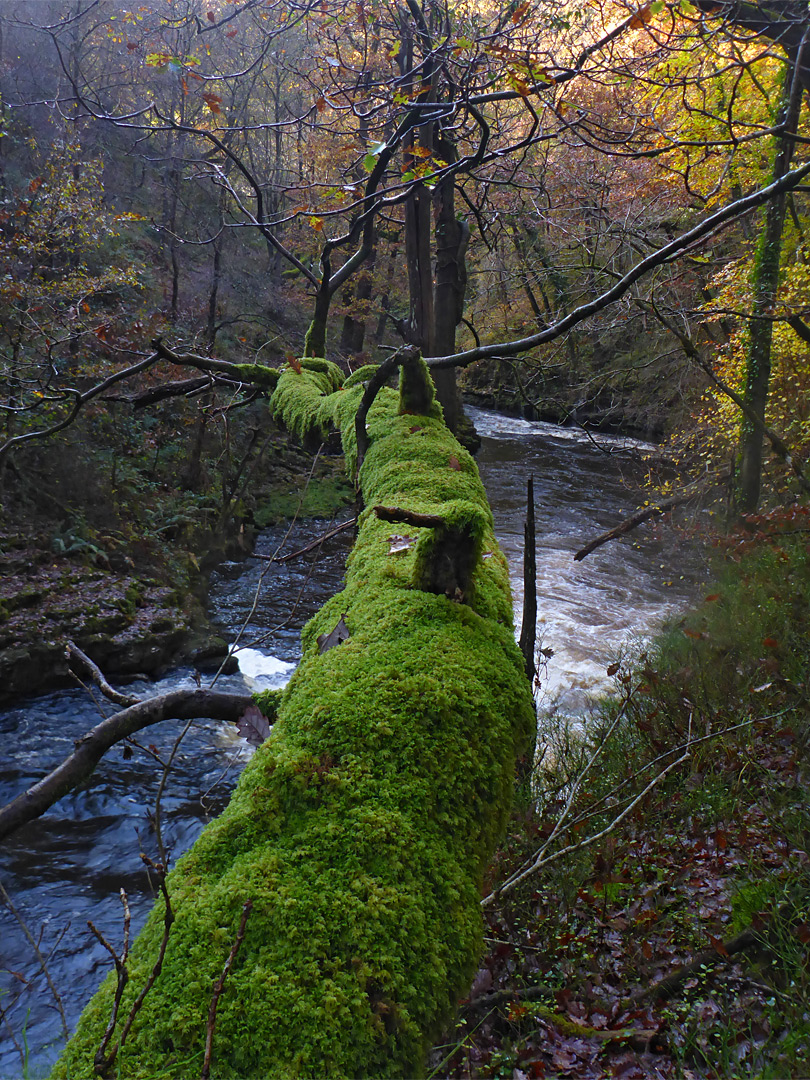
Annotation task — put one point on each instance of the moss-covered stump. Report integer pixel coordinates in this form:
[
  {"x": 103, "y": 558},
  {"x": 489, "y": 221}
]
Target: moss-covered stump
[{"x": 361, "y": 828}]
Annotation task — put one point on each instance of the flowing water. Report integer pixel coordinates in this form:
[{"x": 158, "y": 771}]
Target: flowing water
[{"x": 68, "y": 867}]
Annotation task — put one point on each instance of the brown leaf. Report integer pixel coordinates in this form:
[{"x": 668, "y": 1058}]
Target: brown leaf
[
  {"x": 339, "y": 634},
  {"x": 454, "y": 463},
  {"x": 253, "y": 725},
  {"x": 613, "y": 669}
]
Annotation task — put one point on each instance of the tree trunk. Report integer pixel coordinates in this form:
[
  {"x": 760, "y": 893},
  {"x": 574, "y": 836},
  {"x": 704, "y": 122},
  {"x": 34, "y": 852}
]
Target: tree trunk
[
  {"x": 451, "y": 286},
  {"x": 765, "y": 284},
  {"x": 361, "y": 829}
]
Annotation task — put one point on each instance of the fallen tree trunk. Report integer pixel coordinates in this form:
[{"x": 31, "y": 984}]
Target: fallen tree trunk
[{"x": 361, "y": 829}]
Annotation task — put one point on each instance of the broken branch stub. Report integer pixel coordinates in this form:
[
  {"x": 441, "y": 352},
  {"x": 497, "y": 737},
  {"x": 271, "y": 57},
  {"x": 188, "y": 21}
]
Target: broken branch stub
[{"x": 446, "y": 556}]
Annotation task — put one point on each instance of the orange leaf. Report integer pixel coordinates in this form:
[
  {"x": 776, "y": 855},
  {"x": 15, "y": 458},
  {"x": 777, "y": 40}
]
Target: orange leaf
[
  {"x": 231, "y": 33},
  {"x": 714, "y": 596},
  {"x": 519, "y": 12},
  {"x": 770, "y": 643},
  {"x": 641, "y": 17},
  {"x": 718, "y": 946},
  {"x": 694, "y": 634},
  {"x": 212, "y": 101},
  {"x": 420, "y": 151}
]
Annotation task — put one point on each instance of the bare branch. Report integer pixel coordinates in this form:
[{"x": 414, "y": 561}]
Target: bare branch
[
  {"x": 177, "y": 705},
  {"x": 670, "y": 251}
]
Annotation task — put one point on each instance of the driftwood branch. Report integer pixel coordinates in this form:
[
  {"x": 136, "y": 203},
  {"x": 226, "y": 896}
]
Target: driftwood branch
[
  {"x": 409, "y": 517},
  {"x": 177, "y": 705},
  {"x": 247, "y": 907},
  {"x": 102, "y": 1064},
  {"x": 633, "y": 522}
]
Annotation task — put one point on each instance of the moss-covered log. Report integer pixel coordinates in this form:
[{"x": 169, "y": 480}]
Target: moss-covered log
[{"x": 362, "y": 827}]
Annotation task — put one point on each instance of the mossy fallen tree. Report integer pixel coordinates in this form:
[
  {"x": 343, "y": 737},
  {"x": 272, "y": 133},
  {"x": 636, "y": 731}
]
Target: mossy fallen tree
[{"x": 361, "y": 829}]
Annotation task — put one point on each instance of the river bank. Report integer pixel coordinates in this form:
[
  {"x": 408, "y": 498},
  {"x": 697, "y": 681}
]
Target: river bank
[{"x": 135, "y": 600}]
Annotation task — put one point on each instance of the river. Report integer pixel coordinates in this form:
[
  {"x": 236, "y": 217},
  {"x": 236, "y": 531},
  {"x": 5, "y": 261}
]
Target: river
[{"x": 68, "y": 867}]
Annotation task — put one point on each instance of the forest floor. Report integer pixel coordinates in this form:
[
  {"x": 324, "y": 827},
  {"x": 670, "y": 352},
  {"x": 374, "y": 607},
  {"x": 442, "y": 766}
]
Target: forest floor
[{"x": 665, "y": 930}]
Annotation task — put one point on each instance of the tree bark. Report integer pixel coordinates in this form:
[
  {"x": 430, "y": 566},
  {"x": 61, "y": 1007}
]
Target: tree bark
[{"x": 765, "y": 282}]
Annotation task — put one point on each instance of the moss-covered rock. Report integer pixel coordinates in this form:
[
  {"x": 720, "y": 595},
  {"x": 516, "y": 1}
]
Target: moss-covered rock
[{"x": 361, "y": 828}]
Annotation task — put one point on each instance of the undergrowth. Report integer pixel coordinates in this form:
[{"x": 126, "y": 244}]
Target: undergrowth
[{"x": 675, "y": 944}]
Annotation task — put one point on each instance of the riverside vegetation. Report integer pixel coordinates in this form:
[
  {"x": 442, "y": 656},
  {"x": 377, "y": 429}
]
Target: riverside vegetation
[{"x": 677, "y": 944}]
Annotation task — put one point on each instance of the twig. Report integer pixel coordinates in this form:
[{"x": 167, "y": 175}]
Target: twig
[
  {"x": 537, "y": 859},
  {"x": 72, "y": 651},
  {"x": 164, "y": 858},
  {"x": 311, "y": 546},
  {"x": 101, "y": 1064},
  {"x": 38, "y": 953},
  {"x": 122, "y": 972},
  {"x": 247, "y": 907},
  {"x": 257, "y": 591},
  {"x": 178, "y": 704},
  {"x": 541, "y": 859}
]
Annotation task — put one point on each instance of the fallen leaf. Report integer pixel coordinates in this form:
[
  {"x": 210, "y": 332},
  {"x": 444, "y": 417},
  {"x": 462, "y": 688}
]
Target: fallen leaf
[
  {"x": 253, "y": 725},
  {"x": 400, "y": 544},
  {"x": 454, "y": 463},
  {"x": 339, "y": 634}
]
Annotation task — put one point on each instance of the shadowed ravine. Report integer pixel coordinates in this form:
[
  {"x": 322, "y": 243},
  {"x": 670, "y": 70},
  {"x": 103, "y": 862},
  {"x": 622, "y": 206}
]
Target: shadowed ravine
[{"x": 69, "y": 866}]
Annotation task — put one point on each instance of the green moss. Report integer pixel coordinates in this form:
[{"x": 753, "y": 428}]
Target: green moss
[
  {"x": 361, "y": 375},
  {"x": 362, "y": 827},
  {"x": 259, "y": 374},
  {"x": 320, "y": 498},
  {"x": 417, "y": 394},
  {"x": 269, "y": 701}
]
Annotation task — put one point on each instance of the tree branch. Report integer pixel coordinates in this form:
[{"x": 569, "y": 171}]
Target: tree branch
[
  {"x": 657, "y": 258},
  {"x": 177, "y": 705},
  {"x": 409, "y": 517},
  {"x": 79, "y": 399}
]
